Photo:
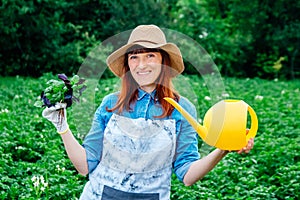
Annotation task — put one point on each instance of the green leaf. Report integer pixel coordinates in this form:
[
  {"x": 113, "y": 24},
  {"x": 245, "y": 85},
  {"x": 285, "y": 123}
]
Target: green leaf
[
  {"x": 74, "y": 80},
  {"x": 38, "y": 104}
]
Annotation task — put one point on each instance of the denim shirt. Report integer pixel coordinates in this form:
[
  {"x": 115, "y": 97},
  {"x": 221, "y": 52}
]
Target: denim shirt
[{"x": 146, "y": 107}]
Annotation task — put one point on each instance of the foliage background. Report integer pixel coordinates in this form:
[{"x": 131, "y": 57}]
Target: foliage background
[
  {"x": 255, "y": 45},
  {"x": 246, "y": 38}
]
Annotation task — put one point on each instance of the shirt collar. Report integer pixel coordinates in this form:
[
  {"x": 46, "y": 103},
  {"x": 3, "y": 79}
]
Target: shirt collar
[{"x": 142, "y": 94}]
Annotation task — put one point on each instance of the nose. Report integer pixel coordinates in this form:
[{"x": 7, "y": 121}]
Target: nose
[{"x": 142, "y": 63}]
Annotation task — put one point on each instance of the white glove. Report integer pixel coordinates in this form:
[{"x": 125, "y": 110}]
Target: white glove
[{"x": 58, "y": 116}]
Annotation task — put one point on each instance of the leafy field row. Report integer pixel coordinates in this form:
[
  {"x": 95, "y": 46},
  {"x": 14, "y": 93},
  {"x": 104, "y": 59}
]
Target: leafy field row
[{"x": 34, "y": 164}]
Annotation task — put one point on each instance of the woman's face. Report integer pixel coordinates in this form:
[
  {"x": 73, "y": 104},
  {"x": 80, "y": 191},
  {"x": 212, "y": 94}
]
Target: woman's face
[{"x": 145, "y": 68}]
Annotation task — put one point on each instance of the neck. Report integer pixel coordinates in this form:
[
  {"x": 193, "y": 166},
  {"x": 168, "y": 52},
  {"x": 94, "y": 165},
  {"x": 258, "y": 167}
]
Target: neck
[{"x": 148, "y": 88}]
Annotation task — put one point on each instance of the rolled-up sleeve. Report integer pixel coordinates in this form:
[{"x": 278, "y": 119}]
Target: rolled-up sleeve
[{"x": 187, "y": 142}]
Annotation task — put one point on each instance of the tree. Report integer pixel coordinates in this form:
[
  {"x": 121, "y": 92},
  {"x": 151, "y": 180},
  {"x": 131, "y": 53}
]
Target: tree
[
  {"x": 245, "y": 38},
  {"x": 39, "y": 36}
]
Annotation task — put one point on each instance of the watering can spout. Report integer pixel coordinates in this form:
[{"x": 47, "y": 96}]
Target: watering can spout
[{"x": 201, "y": 130}]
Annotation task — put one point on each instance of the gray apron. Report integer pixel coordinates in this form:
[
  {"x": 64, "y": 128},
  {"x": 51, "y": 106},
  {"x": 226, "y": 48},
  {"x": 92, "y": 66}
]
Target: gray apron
[{"x": 136, "y": 161}]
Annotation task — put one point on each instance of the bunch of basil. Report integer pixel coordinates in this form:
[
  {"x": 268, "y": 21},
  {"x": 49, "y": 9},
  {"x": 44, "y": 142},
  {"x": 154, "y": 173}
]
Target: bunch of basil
[{"x": 64, "y": 90}]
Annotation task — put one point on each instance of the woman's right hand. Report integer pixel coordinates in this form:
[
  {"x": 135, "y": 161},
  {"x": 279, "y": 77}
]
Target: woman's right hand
[{"x": 58, "y": 116}]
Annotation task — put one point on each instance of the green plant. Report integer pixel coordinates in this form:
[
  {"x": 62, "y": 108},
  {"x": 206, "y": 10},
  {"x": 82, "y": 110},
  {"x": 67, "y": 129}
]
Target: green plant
[
  {"x": 62, "y": 91},
  {"x": 29, "y": 147}
]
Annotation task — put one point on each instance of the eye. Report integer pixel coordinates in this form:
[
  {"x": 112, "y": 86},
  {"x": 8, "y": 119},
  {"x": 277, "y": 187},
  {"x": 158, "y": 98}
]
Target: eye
[
  {"x": 151, "y": 55},
  {"x": 132, "y": 57}
]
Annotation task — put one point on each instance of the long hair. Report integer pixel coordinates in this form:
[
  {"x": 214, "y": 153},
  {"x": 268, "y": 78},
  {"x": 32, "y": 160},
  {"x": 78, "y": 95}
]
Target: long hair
[{"x": 164, "y": 86}]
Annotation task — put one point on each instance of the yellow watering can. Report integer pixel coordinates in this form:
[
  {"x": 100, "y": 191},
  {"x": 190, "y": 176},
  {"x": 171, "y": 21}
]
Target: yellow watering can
[{"x": 224, "y": 124}]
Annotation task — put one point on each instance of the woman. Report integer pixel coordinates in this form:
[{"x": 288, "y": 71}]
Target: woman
[{"x": 137, "y": 138}]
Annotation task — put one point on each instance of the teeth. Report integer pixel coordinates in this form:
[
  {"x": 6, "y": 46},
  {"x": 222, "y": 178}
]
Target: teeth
[{"x": 142, "y": 73}]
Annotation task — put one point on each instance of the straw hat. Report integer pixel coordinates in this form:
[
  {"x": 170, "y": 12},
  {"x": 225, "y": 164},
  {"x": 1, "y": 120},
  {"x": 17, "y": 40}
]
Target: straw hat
[{"x": 148, "y": 36}]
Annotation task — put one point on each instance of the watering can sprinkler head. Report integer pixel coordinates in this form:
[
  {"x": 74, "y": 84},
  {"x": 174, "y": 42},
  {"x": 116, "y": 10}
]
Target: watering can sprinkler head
[{"x": 224, "y": 124}]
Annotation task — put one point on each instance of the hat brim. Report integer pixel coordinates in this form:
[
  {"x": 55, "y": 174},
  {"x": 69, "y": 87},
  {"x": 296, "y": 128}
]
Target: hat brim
[{"x": 115, "y": 61}]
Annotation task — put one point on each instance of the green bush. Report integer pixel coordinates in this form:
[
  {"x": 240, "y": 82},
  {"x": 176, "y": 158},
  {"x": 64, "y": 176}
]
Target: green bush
[
  {"x": 39, "y": 36},
  {"x": 241, "y": 43}
]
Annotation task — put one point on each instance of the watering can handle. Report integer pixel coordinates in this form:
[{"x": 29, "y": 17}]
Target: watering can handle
[{"x": 254, "y": 124}]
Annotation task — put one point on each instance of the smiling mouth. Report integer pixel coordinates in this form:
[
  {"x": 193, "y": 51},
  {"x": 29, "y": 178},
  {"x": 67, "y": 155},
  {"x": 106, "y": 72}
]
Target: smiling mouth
[{"x": 144, "y": 73}]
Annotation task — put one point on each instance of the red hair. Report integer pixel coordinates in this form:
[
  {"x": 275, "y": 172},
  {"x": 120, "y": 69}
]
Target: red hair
[{"x": 164, "y": 86}]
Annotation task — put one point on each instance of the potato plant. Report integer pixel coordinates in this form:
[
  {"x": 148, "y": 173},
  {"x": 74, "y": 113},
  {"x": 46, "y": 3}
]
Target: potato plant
[{"x": 34, "y": 164}]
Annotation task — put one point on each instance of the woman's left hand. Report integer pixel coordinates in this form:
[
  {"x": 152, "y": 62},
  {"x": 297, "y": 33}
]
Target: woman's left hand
[{"x": 248, "y": 147}]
